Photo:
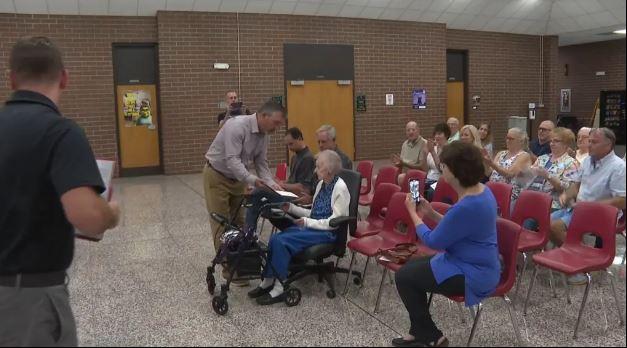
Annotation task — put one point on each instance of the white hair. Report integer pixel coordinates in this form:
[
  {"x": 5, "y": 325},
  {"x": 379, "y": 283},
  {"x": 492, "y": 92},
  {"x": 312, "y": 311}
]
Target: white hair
[
  {"x": 329, "y": 129},
  {"x": 332, "y": 161}
]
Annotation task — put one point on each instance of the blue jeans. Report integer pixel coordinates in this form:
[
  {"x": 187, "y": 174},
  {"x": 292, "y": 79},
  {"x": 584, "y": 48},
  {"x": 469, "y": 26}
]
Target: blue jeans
[{"x": 283, "y": 246}]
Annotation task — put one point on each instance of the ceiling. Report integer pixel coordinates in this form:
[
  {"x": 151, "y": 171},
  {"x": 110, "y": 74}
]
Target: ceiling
[{"x": 574, "y": 21}]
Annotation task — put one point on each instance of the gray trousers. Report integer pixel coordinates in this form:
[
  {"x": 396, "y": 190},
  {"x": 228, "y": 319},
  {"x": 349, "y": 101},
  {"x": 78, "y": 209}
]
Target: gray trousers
[{"x": 36, "y": 317}]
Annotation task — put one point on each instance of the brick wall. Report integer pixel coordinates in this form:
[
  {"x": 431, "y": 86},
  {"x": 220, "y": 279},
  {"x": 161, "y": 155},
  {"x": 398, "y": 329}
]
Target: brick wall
[
  {"x": 86, "y": 46},
  {"x": 583, "y": 62},
  {"x": 505, "y": 70},
  {"x": 390, "y": 57}
]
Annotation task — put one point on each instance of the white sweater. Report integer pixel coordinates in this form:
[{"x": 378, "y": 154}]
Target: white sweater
[{"x": 340, "y": 200}]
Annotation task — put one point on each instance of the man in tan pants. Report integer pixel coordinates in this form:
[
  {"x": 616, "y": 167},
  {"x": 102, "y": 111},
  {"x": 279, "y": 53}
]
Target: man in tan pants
[{"x": 242, "y": 140}]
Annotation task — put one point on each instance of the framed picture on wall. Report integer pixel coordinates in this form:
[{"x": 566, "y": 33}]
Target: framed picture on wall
[{"x": 565, "y": 100}]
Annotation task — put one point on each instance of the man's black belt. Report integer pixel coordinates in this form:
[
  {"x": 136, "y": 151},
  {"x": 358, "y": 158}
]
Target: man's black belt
[{"x": 33, "y": 280}]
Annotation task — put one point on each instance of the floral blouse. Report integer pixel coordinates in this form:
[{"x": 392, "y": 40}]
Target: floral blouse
[
  {"x": 506, "y": 163},
  {"x": 565, "y": 168}
]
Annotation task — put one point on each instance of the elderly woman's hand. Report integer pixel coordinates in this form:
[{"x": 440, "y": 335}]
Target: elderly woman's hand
[{"x": 410, "y": 203}]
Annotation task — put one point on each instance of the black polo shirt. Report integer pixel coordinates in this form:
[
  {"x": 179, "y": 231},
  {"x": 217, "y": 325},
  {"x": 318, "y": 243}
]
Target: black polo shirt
[
  {"x": 303, "y": 168},
  {"x": 42, "y": 156}
]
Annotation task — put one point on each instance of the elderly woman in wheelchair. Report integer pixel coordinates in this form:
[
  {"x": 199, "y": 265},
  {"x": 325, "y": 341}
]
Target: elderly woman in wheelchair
[{"x": 331, "y": 200}]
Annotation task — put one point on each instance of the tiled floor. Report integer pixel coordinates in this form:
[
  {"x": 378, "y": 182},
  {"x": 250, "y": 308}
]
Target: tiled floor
[{"x": 144, "y": 285}]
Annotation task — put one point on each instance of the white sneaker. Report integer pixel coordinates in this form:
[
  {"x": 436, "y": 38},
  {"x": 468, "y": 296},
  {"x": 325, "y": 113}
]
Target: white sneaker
[{"x": 578, "y": 279}]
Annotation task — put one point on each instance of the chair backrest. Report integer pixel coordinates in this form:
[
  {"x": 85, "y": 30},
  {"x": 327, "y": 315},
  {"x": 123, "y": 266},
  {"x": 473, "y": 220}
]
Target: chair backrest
[
  {"x": 365, "y": 169},
  {"x": 387, "y": 174},
  {"x": 597, "y": 219},
  {"x": 439, "y": 207},
  {"x": 353, "y": 182},
  {"x": 397, "y": 213},
  {"x": 534, "y": 205},
  {"x": 414, "y": 174},
  {"x": 444, "y": 192},
  {"x": 281, "y": 171},
  {"x": 507, "y": 233},
  {"x": 381, "y": 198},
  {"x": 503, "y": 194},
  {"x": 620, "y": 226}
]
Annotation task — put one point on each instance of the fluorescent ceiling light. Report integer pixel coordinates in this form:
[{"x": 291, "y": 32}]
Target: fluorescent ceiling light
[{"x": 622, "y": 31}]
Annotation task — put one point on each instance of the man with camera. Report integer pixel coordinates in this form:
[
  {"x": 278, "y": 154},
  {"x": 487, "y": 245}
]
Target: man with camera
[{"x": 233, "y": 108}]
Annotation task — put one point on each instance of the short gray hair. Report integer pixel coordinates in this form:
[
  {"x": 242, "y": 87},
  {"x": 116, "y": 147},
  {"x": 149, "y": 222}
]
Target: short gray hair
[
  {"x": 607, "y": 134},
  {"x": 329, "y": 129},
  {"x": 332, "y": 161},
  {"x": 524, "y": 138}
]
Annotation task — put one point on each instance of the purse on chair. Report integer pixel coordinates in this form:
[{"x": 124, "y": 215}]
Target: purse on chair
[{"x": 398, "y": 254}]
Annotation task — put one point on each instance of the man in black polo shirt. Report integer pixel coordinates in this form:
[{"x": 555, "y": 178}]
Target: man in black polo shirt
[
  {"x": 302, "y": 166},
  {"x": 49, "y": 185}
]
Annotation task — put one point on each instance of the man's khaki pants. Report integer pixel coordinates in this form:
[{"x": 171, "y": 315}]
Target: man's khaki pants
[{"x": 223, "y": 196}]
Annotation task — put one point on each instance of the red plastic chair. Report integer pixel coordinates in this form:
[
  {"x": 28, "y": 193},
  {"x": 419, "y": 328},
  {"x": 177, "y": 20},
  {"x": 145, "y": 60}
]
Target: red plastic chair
[
  {"x": 365, "y": 169},
  {"x": 536, "y": 206},
  {"x": 374, "y": 222},
  {"x": 620, "y": 230},
  {"x": 503, "y": 194},
  {"x": 387, "y": 237},
  {"x": 423, "y": 251},
  {"x": 414, "y": 174},
  {"x": 281, "y": 171},
  {"x": 574, "y": 257},
  {"x": 444, "y": 193},
  {"x": 386, "y": 174},
  {"x": 508, "y": 233}
]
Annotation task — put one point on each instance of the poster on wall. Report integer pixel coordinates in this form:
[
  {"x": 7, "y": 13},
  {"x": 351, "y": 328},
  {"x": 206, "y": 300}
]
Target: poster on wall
[
  {"x": 137, "y": 109},
  {"x": 419, "y": 99},
  {"x": 565, "y": 100},
  {"x": 360, "y": 102}
]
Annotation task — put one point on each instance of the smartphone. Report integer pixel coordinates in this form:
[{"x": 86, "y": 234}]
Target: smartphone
[{"x": 414, "y": 189}]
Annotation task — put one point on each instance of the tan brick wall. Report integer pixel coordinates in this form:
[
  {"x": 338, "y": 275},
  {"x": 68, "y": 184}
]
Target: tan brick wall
[
  {"x": 390, "y": 57},
  {"x": 86, "y": 44},
  {"x": 583, "y": 62}
]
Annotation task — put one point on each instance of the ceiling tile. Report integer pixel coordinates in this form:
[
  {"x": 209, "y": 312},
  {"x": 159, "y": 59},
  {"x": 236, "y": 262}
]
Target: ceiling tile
[
  {"x": 258, "y": 6},
  {"x": 620, "y": 16},
  {"x": 380, "y": 3},
  {"x": 207, "y": 5},
  {"x": 510, "y": 9},
  {"x": 371, "y": 12},
  {"x": 569, "y": 7},
  {"x": 63, "y": 7},
  {"x": 391, "y": 14},
  {"x": 462, "y": 21},
  {"x": 179, "y": 5},
  {"x": 585, "y": 22},
  {"x": 233, "y": 6},
  {"x": 329, "y": 9},
  {"x": 479, "y": 22},
  {"x": 150, "y": 7},
  {"x": 447, "y": 17},
  {"x": 92, "y": 7},
  {"x": 494, "y": 24},
  {"x": 420, "y": 5},
  {"x": 590, "y": 6},
  {"x": 458, "y": 6},
  {"x": 123, "y": 7},
  {"x": 357, "y": 2},
  {"x": 282, "y": 7},
  {"x": 32, "y": 6},
  {"x": 402, "y": 4},
  {"x": 440, "y": 5},
  {"x": 475, "y": 7},
  {"x": 612, "y": 4},
  {"x": 410, "y": 15},
  {"x": 306, "y": 8},
  {"x": 430, "y": 16},
  {"x": 493, "y": 7},
  {"x": 351, "y": 11},
  {"x": 7, "y": 6}
]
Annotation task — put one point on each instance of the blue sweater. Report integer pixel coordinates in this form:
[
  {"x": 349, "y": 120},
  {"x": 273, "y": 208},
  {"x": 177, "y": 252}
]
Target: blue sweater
[{"x": 467, "y": 236}]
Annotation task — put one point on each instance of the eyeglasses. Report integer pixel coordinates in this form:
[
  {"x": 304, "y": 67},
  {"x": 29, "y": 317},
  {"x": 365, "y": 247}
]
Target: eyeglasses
[
  {"x": 544, "y": 129},
  {"x": 556, "y": 141},
  {"x": 510, "y": 138}
]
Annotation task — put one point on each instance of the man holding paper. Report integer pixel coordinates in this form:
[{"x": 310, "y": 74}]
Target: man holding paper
[
  {"x": 242, "y": 140},
  {"x": 49, "y": 185}
]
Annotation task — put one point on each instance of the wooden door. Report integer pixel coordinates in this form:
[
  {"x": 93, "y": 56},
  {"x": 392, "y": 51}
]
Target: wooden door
[
  {"x": 455, "y": 101},
  {"x": 319, "y": 102}
]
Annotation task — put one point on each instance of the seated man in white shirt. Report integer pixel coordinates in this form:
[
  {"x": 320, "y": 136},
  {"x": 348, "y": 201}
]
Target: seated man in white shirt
[{"x": 602, "y": 179}]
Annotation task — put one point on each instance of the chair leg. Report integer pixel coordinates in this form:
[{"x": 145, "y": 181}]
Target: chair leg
[
  {"x": 460, "y": 310},
  {"x": 263, "y": 222},
  {"x": 618, "y": 308},
  {"x": 533, "y": 281},
  {"x": 376, "y": 305},
  {"x": 521, "y": 275},
  {"x": 363, "y": 275},
  {"x": 474, "y": 324},
  {"x": 551, "y": 284},
  {"x": 430, "y": 300},
  {"x": 567, "y": 288},
  {"x": 350, "y": 272},
  {"x": 583, "y": 303},
  {"x": 509, "y": 304}
]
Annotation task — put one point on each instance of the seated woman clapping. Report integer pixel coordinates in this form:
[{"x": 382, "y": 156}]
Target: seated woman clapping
[
  {"x": 330, "y": 200},
  {"x": 469, "y": 261}
]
